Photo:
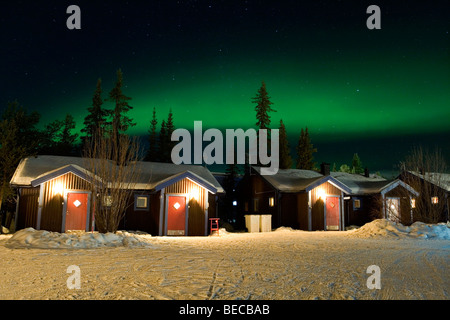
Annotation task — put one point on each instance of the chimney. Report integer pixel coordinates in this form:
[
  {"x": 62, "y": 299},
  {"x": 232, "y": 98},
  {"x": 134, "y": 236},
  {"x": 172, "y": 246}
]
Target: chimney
[
  {"x": 366, "y": 172},
  {"x": 325, "y": 169}
]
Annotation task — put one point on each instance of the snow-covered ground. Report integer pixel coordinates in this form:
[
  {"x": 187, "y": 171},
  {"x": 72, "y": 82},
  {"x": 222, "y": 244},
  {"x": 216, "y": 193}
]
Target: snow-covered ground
[{"x": 283, "y": 264}]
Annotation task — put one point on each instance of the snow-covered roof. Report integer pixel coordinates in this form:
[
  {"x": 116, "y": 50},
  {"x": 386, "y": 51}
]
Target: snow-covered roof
[
  {"x": 152, "y": 175},
  {"x": 362, "y": 185},
  {"x": 297, "y": 180},
  {"x": 442, "y": 180}
]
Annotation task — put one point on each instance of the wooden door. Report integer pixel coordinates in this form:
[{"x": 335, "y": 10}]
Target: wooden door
[
  {"x": 393, "y": 209},
  {"x": 332, "y": 212},
  {"x": 76, "y": 211},
  {"x": 176, "y": 216}
]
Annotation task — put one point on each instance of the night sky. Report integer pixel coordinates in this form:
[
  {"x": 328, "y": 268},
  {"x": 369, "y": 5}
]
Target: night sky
[{"x": 374, "y": 92}]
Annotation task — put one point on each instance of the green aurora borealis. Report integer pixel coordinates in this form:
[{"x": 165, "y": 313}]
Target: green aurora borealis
[{"x": 357, "y": 90}]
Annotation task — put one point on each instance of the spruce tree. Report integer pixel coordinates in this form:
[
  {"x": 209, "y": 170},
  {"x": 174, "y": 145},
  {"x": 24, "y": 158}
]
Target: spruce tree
[
  {"x": 67, "y": 139},
  {"x": 285, "y": 153},
  {"x": 120, "y": 121},
  {"x": 19, "y": 138},
  {"x": 162, "y": 146},
  {"x": 170, "y": 125},
  {"x": 152, "y": 153},
  {"x": 97, "y": 115},
  {"x": 305, "y": 151},
  {"x": 357, "y": 166},
  {"x": 58, "y": 139},
  {"x": 263, "y": 107}
]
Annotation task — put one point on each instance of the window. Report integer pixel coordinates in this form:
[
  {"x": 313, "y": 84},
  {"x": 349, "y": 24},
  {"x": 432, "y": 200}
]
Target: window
[
  {"x": 234, "y": 203},
  {"x": 141, "y": 202},
  {"x": 434, "y": 200},
  {"x": 246, "y": 206},
  {"x": 356, "y": 204},
  {"x": 255, "y": 205},
  {"x": 413, "y": 203},
  {"x": 107, "y": 201},
  {"x": 271, "y": 201}
]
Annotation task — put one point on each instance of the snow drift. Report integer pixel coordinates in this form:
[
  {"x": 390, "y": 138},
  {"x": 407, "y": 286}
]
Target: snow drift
[
  {"x": 386, "y": 228},
  {"x": 31, "y": 238}
]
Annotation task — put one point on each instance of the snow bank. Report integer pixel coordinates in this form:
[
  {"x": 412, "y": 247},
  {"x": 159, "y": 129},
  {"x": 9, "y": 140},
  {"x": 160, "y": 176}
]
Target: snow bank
[
  {"x": 31, "y": 238},
  {"x": 386, "y": 228}
]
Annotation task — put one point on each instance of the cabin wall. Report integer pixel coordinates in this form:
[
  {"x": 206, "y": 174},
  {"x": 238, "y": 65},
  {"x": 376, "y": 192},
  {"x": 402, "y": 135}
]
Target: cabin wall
[
  {"x": 143, "y": 220},
  {"x": 27, "y": 208},
  {"x": 405, "y": 203},
  {"x": 196, "y": 202},
  {"x": 370, "y": 208},
  {"x": 258, "y": 201},
  {"x": 53, "y": 199},
  {"x": 302, "y": 211},
  {"x": 318, "y": 204}
]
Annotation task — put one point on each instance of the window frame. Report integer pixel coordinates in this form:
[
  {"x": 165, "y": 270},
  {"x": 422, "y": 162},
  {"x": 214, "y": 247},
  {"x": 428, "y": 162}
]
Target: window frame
[
  {"x": 355, "y": 206},
  {"x": 147, "y": 208}
]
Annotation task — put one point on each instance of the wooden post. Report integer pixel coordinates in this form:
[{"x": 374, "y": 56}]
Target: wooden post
[
  {"x": 161, "y": 211},
  {"x": 41, "y": 203}
]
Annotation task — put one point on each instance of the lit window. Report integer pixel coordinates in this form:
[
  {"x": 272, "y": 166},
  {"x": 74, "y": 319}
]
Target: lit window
[
  {"x": 107, "y": 201},
  {"x": 356, "y": 204},
  {"x": 434, "y": 200},
  {"x": 234, "y": 203},
  {"x": 413, "y": 203},
  {"x": 141, "y": 202},
  {"x": 271, "y": 201}
]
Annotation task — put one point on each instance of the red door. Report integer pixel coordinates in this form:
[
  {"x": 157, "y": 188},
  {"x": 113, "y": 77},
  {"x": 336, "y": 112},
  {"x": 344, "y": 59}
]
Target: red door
[
  {"x": 176, "y": 216},
  {"x": 332, "y": 211},
  {"x": 77, "y": 211}
]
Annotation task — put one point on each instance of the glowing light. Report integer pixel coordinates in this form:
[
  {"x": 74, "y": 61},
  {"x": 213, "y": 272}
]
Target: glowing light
[
  {"x": 434, "y": 200},
  {"x": 58, "y": 189},
  {"x": 321, "y": 194},
  {"x": 413, "y": 203},
  {"x": 194, "y": 194},
  {"x": 177, "y": 206}
]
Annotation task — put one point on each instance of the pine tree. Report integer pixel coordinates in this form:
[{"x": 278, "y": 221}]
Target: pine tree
[
  {"x": 97, "y": 116},
  {"x": 357, "y": 166},
  {"x": 152, "y": 153},
  {"x": 120, "y": 121},
  {"x": 49, "y": 137},
  {"x": 305, "y": 151},
  {"x": 162, "y": 146},
  {"x": 263, "y": 107},
  {"x": 19, "y": 138},
  {"x": 170, "y": 125},
  {"x": 58, "y": 139},
  {"x": 285, "y": 153},
  {"x": 67, "y": 139},
  {"x": 170, "y": 129}
]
